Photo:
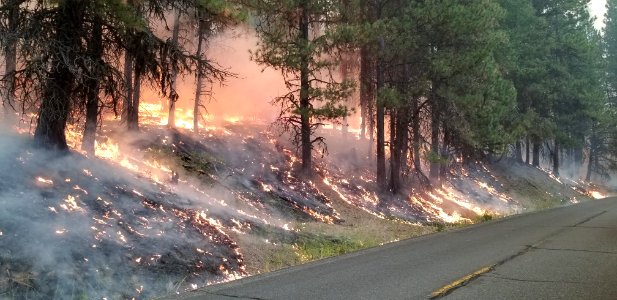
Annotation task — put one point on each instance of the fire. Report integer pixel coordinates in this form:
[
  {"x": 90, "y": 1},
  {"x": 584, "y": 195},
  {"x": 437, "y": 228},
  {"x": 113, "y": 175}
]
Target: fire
[
  {"x": 597, "y": 195},
  {"x": 44, "y": 181},
  {"x": 233, "y": 119},
  {"x": 438, "y": 211},
  {"x": 106, "y": 150},
  {"x": 70, "y": 204}
]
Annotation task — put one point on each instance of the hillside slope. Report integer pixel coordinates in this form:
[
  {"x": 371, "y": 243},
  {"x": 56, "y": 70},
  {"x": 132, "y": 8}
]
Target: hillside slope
[{"x": 166, "y": 211}]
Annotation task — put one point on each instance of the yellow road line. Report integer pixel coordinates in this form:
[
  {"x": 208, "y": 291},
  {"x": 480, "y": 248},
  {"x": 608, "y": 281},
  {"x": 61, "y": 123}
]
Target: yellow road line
[{"x": 457, "y": 283}]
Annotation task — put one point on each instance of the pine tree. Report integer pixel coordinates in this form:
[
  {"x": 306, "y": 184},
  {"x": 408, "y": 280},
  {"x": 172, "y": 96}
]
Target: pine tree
[
  {"x": 56, "y": 103},
  {"x": 297, "y": 38},
  {"x": 571, "y": 86}
]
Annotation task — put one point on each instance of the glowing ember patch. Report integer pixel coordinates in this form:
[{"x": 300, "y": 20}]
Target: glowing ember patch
[
  {"x": 70, "y": 204},
  {"x": 266, "y": 187},
  {"x": 45, "y": 181},
  {"x": 77, "y": 188}
]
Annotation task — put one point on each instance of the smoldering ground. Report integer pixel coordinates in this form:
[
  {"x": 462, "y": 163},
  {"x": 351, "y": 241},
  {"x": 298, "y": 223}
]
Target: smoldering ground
[
  {"x": 84, "y": 227},
  {"x": 73, "y": 227}
]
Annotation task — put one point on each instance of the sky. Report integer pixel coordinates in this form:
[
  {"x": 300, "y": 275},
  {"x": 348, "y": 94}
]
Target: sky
[{"x": 596, "y": 7}]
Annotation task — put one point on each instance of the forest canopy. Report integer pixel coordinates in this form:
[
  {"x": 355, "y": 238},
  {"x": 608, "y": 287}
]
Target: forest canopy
[{"x": 435, "y": 83}]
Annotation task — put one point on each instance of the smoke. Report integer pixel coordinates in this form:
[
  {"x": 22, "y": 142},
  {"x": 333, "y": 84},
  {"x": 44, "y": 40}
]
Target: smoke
[
  {"x": 79, "y": 228},
  {"x": 248, "y": 95},
  {"x": 162, "y": 216}
]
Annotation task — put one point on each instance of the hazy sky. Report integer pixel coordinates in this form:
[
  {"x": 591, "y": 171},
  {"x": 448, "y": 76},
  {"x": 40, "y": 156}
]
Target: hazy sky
[{"x": 597, "y": 9}]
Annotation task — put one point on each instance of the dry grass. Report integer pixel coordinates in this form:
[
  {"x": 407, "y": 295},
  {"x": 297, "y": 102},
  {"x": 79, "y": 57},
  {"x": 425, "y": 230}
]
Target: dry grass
[{"x": 533, "y": 189}]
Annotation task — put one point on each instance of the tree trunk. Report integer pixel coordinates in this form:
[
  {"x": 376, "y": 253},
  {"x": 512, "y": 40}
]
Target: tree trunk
[
  {"x": 556, "y": 159},
  {"x": 592, "y": 156},
  {"x": 518, "y": 152},
  {"x": 415, "y": 128},
  {"x": 403, "y": 142},
  {"x": 398, "y": 146},
  {"x": 173, "y": 97},
  {"x": 527, "y": 142},
  {"x": 10, "y": 55},
  {"x": 434, "y": 170},
  {"x": 578, "y": 161},
  {"x": 444, "y": 155},
  {"x": 57, "y": 94},
  {"x": 395, "y": 160},
  {"x": 536, "y": 154},
  {"x": 127, "y": 101},
  {"x": 305, "y": 109},
  {"x": 133, "y": 112},
  {"x": 366, "y": 89},
  {"x": 95, "y": 52},
  {"x": 201, "y": 35},
  {"x": 381, "y": 143},
  {"x": 344, "y": 69}
]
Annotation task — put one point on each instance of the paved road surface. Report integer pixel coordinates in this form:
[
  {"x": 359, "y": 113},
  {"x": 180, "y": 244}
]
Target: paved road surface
[{"x": 563, "y": 253}]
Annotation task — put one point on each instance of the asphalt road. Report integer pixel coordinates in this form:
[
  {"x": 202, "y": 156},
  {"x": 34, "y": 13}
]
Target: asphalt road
[{"x": 564, "y": 253}]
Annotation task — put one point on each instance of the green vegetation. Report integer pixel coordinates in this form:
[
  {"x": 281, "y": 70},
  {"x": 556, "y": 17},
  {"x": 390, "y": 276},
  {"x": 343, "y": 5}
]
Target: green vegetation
[
  {"x": 322, "y": 246},
  {"x": 484, "y": 217}
]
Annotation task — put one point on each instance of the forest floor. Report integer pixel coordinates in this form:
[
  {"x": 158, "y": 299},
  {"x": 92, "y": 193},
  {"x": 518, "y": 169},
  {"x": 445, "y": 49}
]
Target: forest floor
[
  {"x": 168, "y": 211},
  {"x": 533, "y": 189}
]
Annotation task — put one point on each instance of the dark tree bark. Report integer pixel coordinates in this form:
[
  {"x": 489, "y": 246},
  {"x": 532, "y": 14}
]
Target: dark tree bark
[
  {"x": 398, "y": 146},
  {"x": 127, "y": 101},
  {"x": 518, "y": 152},
  {"x": 201, "y": 35},
  {"x": 58, "y": 90},
  {"x": 133, "y": 109},
  {"x": 434, "y": 169},
  {"x": 95, "y": 53},
  {"x": 578, "y": 160},
  {"x": 171, "y": 117},
  {"x": 305, "y": 118},
  {"x": 415, "y": 131},
  {"x": 444, "y": 155},
  {"x": 381, "y": 143},
  {"x": 10, "y": 54},
  {"x": 403, "y": 142},
  {"x": 395, "y": 160}
]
